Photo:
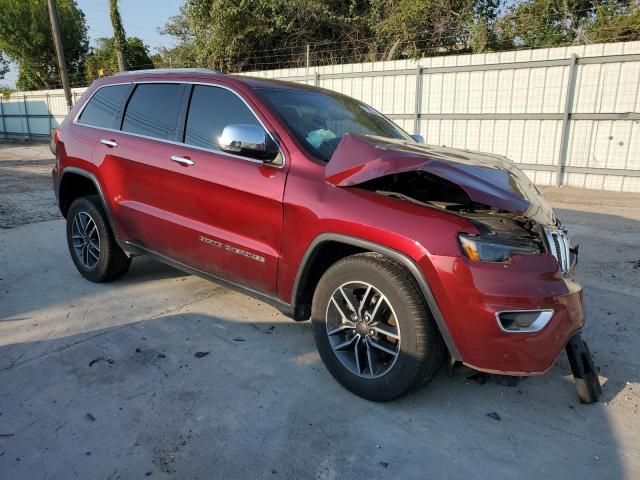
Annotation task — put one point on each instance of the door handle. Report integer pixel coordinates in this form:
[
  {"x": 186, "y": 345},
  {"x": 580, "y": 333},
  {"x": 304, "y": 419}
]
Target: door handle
[
  {"x": 187, "y": 162},
  {"x": 109, "y": 143}
]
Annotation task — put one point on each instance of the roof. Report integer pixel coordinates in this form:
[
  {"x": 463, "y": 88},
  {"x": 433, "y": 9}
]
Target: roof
[
  {"x": 159, "y": 71},
  {"x": 251, "y": 82}
]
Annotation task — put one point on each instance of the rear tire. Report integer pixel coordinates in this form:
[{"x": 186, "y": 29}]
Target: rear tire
[
  {"x": 377, "y": 353},
  {"x": 92, "y": 244}
]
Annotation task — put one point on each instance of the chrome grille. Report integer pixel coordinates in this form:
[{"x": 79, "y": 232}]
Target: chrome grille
[{"x": 559, "y": 247}]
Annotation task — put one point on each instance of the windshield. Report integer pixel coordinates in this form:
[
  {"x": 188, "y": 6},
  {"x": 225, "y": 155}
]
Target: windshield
[{"x": 320, "y": 119}]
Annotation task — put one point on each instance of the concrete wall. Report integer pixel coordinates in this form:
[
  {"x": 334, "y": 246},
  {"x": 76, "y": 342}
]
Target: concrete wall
[{"x": 33, "y": 114}]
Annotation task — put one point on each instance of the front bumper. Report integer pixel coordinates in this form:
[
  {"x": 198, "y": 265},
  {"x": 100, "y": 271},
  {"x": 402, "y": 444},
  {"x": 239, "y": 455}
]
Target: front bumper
[{"x": 469, "y": 294}]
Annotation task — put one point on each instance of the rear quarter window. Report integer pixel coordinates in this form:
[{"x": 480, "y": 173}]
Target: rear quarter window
[{"x": 102, "y": 107}]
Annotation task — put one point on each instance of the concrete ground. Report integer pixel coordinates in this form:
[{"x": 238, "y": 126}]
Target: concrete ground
[{"x": 102, "y": 381}]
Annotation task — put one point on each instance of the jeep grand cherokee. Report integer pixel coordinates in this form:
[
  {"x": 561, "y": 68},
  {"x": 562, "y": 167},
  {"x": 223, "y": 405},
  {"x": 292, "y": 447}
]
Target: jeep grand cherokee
[{"x": 401, "y": 254}]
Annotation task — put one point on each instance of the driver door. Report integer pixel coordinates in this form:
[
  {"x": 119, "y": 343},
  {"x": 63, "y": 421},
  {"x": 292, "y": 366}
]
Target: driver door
[{"x": 227, "y": 208}]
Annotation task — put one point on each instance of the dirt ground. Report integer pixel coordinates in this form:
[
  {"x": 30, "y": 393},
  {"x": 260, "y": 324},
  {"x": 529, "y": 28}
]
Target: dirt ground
[
  {"x": 26, "y": 194},
  {"x": 103, "y": 381}
]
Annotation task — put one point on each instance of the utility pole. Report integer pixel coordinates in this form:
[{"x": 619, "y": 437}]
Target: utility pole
[
  {"x": 62, "y": 65},
  {"x": 119, "y": 36}
]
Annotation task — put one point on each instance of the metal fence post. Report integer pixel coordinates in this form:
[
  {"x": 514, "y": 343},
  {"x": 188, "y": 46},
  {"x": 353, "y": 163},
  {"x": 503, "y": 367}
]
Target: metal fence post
[
  {"x": 316, "y": 79},
  {"x": 4, "y": 127},
  {"x": 26, "y": 115},
  {"x": 418, "y": 105},
  {"x": 307, "y": 59},
  {"x": 48, "y": 110},
  {"x": 566, "y": 119}
]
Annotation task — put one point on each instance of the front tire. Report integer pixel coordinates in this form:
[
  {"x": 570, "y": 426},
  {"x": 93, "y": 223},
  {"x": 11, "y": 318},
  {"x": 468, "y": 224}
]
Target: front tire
[
  {"x": 373, "y": 329},
  {"x": 92, "y": 245}
]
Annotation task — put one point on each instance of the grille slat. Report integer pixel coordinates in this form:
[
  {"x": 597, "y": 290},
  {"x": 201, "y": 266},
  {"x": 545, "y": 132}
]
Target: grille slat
[{"x": 559, "y": 245}]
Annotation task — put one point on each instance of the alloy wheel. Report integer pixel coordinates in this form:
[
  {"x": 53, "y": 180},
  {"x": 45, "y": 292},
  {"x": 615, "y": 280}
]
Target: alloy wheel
[
  {"x": 363, "y": 329},
  {"x": 86, "y": 240}
]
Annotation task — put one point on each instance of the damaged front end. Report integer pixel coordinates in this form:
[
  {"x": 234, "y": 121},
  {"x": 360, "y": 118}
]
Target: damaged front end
[
  {"x": 507, "y": 209},
  {"x": 511, "y": 219}
]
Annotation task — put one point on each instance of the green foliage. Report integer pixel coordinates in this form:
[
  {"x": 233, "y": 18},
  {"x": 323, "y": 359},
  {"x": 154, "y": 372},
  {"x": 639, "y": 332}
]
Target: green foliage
[
  {"x": 614, "y": 22},
  {"x": 4, "y": 66},
  {"x": 543, "y": 23},
  {"x": 25, "y": 37},
  {"x": 235, "y": 35},
  {"x": 119, "y": 37},
  {"x": 103, "y": 56},
  {"x": 418, "y": 26},
  {"x": 228, "y": 34},
  {"x": 6, "y": 91},
  {"x": 116, "y": 21}
]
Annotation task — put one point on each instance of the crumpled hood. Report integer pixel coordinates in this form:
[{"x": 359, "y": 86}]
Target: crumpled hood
[{"x": 488, "y": 179}]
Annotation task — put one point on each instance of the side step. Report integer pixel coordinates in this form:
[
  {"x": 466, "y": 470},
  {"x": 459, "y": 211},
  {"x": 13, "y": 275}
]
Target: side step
[{"x": 584, "y": 371}]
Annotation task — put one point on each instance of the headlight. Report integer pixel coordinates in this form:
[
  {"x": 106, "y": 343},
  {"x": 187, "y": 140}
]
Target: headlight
[{"x": 494, "y": 249}]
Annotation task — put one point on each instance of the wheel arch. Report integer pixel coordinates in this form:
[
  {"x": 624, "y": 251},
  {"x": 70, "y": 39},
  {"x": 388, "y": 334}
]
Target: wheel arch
[
  {"x": 327, "y": 248},
  {"x": 76, "y": 182}
]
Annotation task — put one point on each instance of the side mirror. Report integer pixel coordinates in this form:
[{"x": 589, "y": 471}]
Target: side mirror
[
  {"x": 248, "y": 141},
  {"x": 418, "y": 138}
]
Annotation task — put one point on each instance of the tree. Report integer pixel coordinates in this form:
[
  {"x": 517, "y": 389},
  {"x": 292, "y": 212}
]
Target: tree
[
  {"x": 25, "y": 37},
  {"x": 614, "y": 23},
  {"x": 232, "y": 35},
  {"x": 104, "y": 56},
  {"x": 482, "y": 27},
  {"x": 236, "y": 35},
  {"x": 120, "y": 39},
  {"x": 4, "y": 66},
  {"x": 409, "y": 28},
  {"x": 544, "y": 23}
]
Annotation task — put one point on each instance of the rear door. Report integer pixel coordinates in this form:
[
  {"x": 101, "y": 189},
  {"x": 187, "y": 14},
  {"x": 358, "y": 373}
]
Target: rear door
[
  {"x": 228, "y": 207},
  {"x": 141, "y": 176},
  {"x": 92, "y": 124}
]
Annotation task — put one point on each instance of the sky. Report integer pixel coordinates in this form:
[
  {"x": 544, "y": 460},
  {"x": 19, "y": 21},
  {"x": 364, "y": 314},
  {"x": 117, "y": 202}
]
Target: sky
[{"x": 141, "y": 18}]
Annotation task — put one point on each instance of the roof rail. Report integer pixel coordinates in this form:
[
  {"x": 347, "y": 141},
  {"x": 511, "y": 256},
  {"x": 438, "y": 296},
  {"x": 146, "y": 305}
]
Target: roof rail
[{"x": 166, "y": 70}]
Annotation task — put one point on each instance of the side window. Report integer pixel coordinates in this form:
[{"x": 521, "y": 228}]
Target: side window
[
  {"x": 101, "y": 110},
  {"x": 210, "y": 110},
  {"x": 153, "y": 110}
]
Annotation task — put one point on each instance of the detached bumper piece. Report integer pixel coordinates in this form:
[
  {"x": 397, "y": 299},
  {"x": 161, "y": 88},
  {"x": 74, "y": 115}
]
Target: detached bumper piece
[{"x": 584, "y": 371}]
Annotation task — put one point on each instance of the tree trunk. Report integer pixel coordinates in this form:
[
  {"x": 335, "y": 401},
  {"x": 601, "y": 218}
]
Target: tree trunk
[{"x": 118, "y": 34}]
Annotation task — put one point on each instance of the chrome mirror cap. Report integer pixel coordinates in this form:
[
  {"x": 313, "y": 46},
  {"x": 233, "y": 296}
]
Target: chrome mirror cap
[
  {"x": 418, "y": 138},
  {"x": 249, "y": 141}
]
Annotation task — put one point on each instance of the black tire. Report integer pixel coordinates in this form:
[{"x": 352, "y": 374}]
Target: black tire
[
  {"x": 585, "y": 373},
  {"x": 420, "y": 348},
  {"x": 111, "y": 260}
]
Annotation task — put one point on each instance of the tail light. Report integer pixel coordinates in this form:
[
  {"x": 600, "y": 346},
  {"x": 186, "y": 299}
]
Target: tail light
[{"x": 53, "y": 142}]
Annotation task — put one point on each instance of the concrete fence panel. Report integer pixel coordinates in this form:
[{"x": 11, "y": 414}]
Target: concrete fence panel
[{"x": 568, "y": 115}]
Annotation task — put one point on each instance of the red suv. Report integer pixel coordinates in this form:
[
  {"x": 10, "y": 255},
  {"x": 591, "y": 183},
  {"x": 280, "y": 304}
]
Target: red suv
[{"x": 399, "y": 252}]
